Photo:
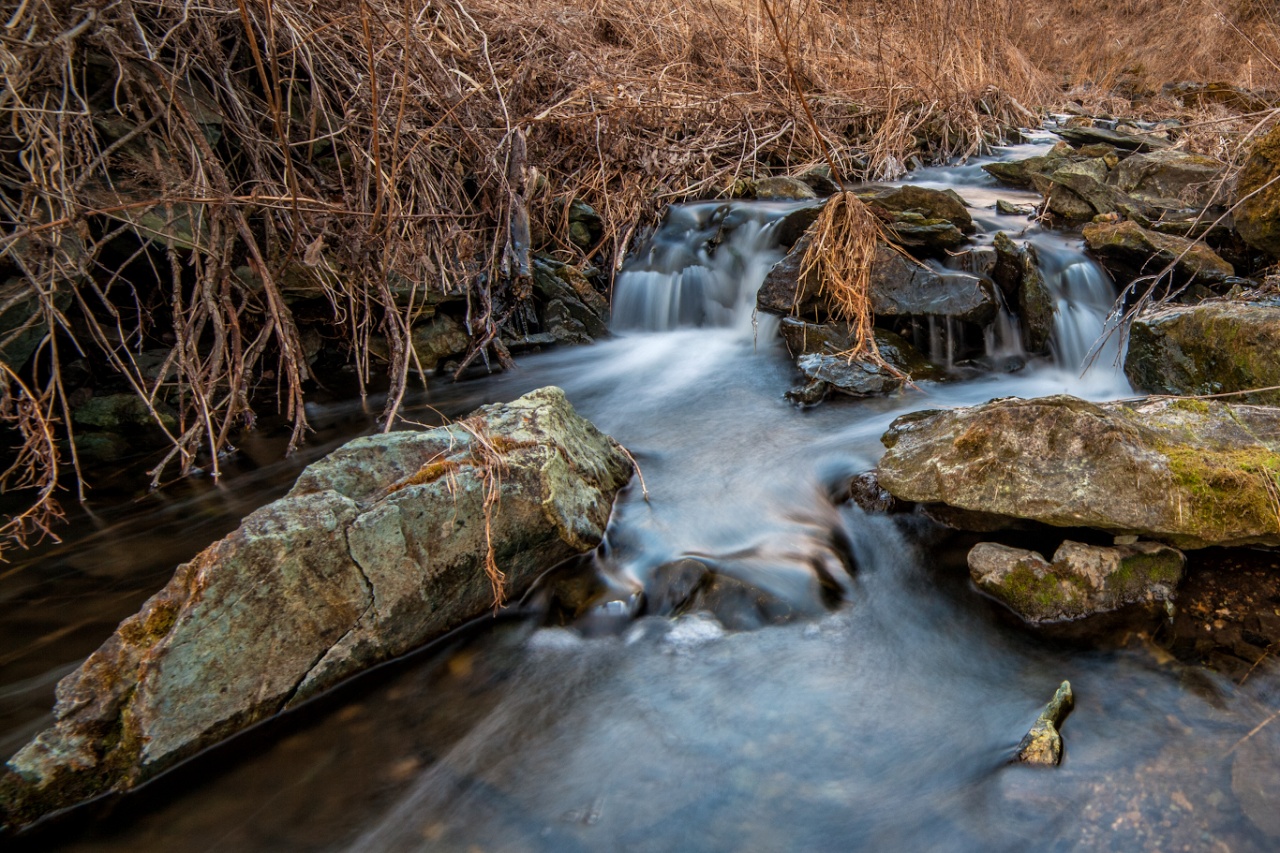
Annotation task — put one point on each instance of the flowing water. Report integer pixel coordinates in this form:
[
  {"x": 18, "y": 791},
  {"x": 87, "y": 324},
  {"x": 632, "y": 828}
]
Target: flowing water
[{"x": 881, "y": 714}]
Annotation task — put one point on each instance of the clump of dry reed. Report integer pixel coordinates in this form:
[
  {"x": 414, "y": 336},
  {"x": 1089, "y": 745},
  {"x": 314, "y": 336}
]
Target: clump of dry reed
[{"x": 171, "y": 171}]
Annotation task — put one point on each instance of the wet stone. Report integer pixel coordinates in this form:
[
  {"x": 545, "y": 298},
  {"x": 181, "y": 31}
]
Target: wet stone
[
  {"x": 1042, "y": 745},
  {"x": 1080, "y": 581}
]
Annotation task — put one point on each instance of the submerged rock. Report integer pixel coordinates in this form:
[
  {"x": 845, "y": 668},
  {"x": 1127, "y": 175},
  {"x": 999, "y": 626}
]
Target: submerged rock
[
  {"x": 1130, "y": 251},
  {"x": 1081, "y": 580},
  {"x": 378, "y": 548},
  {"x": 1042, "y": 745},
  {"x": 865, "y": 491},
  {"x": 1210, "y": 348},
  {"x": 1189, "y": 473},
  {"x": 1257, "y": 209}
]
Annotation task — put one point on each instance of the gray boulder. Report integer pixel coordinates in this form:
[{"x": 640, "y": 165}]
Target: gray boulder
[
  {"x": 389, "y": 542},
  {"x": 854, "y": 377},
  {"x": 1080, "y": 581},
  {"x": 574, "y": 312},
  {"x": 1129, "y": 250},
  {"x": 919, "y": 292},
  {"x": 1024, "y": 173},
  {"x": 1168, "y": 179},
  {"x": 900, "y": 287},
  {"x": 1188, "y": 473},
  {"x": 927, "y": 203},
  {"x": 1087, "y": 182},
  {"x": 1120, "y": 139},
  {"x": 803, "y": 338}
]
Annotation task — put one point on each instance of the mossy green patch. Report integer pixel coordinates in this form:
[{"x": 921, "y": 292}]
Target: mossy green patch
[
  {"x": 1230, "y": 490},
  {"x": 1187, "y": 404},
  {"x": 1029, "y": 592}
]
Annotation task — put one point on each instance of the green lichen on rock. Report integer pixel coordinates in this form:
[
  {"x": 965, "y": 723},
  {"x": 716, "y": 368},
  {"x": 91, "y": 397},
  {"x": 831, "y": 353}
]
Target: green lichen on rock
[
  {"x": 1080, "y": 581},
  {"x": 1131, "y": 250},
  {"x": 1210, "y": 348},
  {"x": 359, "y": 563},
  {"x": 1257, "y": 213},
  {"x": 1042, "y": 745},
  {"x": 1230, "y": 488},
  {"x": 1186, "y": 476}
]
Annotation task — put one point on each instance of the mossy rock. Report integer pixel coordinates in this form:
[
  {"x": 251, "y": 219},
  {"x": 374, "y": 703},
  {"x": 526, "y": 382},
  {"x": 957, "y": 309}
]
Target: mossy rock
[
  {"x": 1258, "y": 205},
  {"x": 121, "y": 412},
  {"x": 1191, "y": 475},
  {"x": 784, "y": 189},
  {"x": 1210, "y": 348},
  {"x": 1129, "y": 250},
  {"x": 377, "y": 549},
  {"x": 1080, "y": 581}
]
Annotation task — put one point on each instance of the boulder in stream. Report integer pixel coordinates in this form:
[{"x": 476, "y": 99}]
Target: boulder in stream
[
  {"x": 1129, "y": 250},
  {"x": 1188, "y": 473},
  {"x": 1080, "y": 581},
  {"x": 1023, "y": 173},
  {"x": 379, "y": 547},
  {"x": 900, "y": 287},
  {"x": 1017, "y": 273},
  {"x": 854, "y": 377},
  {"x": 1210, "y": 348},
  {"x": 1168, "y": 178},
  {"x": 926, "y": 221}
]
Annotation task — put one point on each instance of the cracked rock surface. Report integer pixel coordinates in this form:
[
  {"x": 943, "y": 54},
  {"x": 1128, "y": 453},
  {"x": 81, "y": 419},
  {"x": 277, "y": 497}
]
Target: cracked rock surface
[{"x": 379, "y": 548}]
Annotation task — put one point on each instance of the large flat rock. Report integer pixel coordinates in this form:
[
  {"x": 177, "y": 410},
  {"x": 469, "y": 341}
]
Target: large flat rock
[
  {"x": 379, "y": 548},
  {"x": 1187, "y": 472}
]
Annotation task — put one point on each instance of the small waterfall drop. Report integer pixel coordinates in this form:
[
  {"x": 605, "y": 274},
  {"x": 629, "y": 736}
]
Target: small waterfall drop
[{"x": 700, "y": 268}]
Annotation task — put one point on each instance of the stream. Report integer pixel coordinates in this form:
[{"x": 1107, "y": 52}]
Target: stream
[{"x": 876, "y": 704}]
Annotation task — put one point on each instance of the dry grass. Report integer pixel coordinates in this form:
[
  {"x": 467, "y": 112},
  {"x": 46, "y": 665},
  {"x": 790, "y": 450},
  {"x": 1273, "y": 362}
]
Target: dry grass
[
  {"x": 843, "y": 245},
  {"x": 173, "y": 173}
]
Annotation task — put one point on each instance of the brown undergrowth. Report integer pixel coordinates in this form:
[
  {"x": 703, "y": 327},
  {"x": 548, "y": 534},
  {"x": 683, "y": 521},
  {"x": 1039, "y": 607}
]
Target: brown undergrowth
[{"x": 186, "y": 175}]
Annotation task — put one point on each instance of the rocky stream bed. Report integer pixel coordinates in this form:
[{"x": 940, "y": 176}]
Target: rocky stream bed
[{"x": 826, "y": 617}]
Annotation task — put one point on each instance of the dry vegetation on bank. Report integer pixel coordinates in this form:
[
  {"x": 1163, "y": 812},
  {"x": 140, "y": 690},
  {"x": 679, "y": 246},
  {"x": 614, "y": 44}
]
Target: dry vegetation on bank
[{"x": 193, "y": 175}]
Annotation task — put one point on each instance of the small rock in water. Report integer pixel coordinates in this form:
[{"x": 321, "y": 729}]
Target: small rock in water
[
  {"x": 1042, "y": 745},
  {"x": 1080, "y": 581},
  {"x": 1008, "y": 208},
  {"x": 856, "y": 377}
]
